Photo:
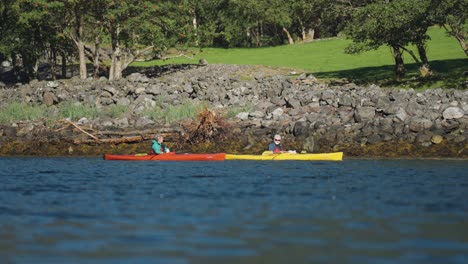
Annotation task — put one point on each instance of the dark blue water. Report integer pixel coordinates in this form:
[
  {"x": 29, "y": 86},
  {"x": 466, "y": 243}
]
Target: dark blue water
[{"x": 86, "y": 210}]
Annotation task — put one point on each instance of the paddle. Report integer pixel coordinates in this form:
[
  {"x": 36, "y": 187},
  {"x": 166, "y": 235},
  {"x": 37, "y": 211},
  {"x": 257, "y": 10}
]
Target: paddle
[
  {"x": 269, "y": 152},
  {"x": 146, "y": 154}
]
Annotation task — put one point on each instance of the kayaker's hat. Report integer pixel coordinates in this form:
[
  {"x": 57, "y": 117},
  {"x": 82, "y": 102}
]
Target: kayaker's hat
[{"x": 277, "y": 138}]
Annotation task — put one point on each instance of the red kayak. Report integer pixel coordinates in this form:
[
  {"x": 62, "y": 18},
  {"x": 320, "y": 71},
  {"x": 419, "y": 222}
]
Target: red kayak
[{"x": 168, "y": 156}]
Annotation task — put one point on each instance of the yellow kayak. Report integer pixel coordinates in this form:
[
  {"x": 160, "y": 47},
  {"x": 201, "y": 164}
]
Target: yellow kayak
[{"x": 288, "y": 156}]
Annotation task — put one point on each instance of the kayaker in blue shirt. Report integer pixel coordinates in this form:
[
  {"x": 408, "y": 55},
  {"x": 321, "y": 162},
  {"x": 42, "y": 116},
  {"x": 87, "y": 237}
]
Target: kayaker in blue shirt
[
  {"x": 276, "y": 146},
  {"x": 158, "y": 147}
]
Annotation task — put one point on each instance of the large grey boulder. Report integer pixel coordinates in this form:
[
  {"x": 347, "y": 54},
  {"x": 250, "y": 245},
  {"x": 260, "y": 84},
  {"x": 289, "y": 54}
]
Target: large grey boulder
[{"x": 453, "y": 113}]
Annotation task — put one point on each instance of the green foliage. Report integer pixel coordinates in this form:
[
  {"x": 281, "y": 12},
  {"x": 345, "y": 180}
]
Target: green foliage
[
  {"x": 76, "y": 110},
  {"x": 396, "y": 24},
  {"x": 15, "y": 111},
  {"x": 452, "y": 15},
  {"x": 171, "y": 113},
  {"x": 116, "y": 111},
  {"x": 234, "y": 110}
]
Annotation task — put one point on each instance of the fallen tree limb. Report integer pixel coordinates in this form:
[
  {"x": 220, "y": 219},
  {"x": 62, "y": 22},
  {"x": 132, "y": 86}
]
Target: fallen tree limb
[
  {"x": 82, "y": 130},
  {"x": 112, "y": 140}
]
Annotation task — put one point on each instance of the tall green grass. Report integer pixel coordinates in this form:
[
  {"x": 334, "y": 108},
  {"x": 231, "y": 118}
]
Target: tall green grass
[
  {"x": 15, "y": 111},
  {"x": 75, "y": 111},
  {"x": 171, "y": 113}
]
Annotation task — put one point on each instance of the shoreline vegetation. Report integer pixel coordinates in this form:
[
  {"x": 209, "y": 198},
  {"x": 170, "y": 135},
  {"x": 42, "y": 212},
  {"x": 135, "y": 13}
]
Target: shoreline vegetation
[{"x": 319, "y": 103}]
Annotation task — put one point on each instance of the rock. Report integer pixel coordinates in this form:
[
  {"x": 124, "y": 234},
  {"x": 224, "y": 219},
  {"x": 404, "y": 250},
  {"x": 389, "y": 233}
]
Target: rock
[
  {"x": 345, "y": 100},
  {"x": 144, "y": 121},
  {"x": 414, "y": 109},
  {"x": 346, "y": 114},
  {"x": 243, "y": 115},
  {"x": 82, "y": 121},
  {"x": 6, "y": 64},
  {"x": 373, "y": 139},
  {"x": 449, "y": 124},
  {"x": 301, "y": 129},
  {"x": 423, "y": 138},
  {"x": 138, "y": 77},
  {"x": 188, "y": 88},
  {"x": 453, "y": 113},
  {"x": 257, "y": 114},
  {"x": 123, "y": 101},
  {"x": 110, "y": 89},
  {"x": 419, "y": 124},
  {"x": 363, "y": 114},
  {"x": 140, "y": 90},
  {"x": 48, "y": 98},
  {"x": 436, "y": 139},
  {"x": 25, "y": 130},
  {"x": 310, "y": 145},
  {"x": 52, "y": 84},
  {"x": 277, "y": 113},
  {"x": 401, "y": 114},
  {"x": 121, "y": 122},
  {"x": 291, "y": 102}
]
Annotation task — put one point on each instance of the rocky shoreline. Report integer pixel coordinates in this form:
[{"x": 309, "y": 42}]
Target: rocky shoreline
[{"x": 311, "y": 115}]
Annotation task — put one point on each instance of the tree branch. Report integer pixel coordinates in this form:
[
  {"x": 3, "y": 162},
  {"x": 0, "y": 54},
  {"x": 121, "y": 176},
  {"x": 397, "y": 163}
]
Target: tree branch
[{"x": 410, "y": 52}]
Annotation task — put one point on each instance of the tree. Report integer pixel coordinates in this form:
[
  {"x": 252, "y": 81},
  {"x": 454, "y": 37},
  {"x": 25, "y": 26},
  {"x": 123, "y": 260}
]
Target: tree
[
  {"x": 69, "y": 20},
  {"x": 136, "y": 27},
  {"x": 452, "y": 15},
  {"x": 308, "y": 14},
  {"x": 255, "y": 23},
  {"x": 395, "y": 24},
  {"x": 34, "y": 32},
  {"x": 8, "y": 21}
]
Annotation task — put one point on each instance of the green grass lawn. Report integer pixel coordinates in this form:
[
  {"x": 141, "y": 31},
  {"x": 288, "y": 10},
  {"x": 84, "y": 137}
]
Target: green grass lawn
[{"x": 326, "y": 59}]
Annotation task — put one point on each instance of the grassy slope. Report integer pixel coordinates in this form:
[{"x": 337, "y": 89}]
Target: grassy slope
[{"x": 326, "y": 59}]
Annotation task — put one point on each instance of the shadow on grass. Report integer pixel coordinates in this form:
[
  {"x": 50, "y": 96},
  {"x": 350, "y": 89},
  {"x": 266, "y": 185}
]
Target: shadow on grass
[{"x": 447, "y": 74}]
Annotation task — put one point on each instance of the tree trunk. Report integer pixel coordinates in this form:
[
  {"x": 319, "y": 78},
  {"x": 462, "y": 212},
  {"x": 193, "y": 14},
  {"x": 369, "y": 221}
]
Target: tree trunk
[
  {"x": 64, "y": 65},
  {"x": 261, "y": 33},
  {"x": 82, "y": 57},
  {"x": 463, "y": 43},
  {"x": 290, "y": 39},
  {"x": 54, "y": 63},
  {"x": 97, "y": 44},
  {"x": 425, "y": 68},
  {"x": 195, "y": 27},
  {"x": 311, "y": 34},
  {"x": 456, "y": 32},
  {"x": 35, "y": 68},
  {"x": 81, "y": 50},
  {"x": 303, "y": 31},
  {"x": 399, "y": 64},
  {"x": 115, "y": 71},
  {"x": 423, "y": 55},
  {"x": 28, "y": 64}
]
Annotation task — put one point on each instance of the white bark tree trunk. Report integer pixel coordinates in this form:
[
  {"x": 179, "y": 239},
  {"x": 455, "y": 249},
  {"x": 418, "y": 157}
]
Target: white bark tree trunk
[
  {"x": 82, "y": 58},
  {"x": 115, "y": 71},
  {"x": 195, "y": 27},
  {"x": 77, "y": 37},
  {"x": 290, "y": 39}
]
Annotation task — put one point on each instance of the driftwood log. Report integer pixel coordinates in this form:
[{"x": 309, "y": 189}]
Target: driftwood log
[{"x": 118, "y": 137}]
